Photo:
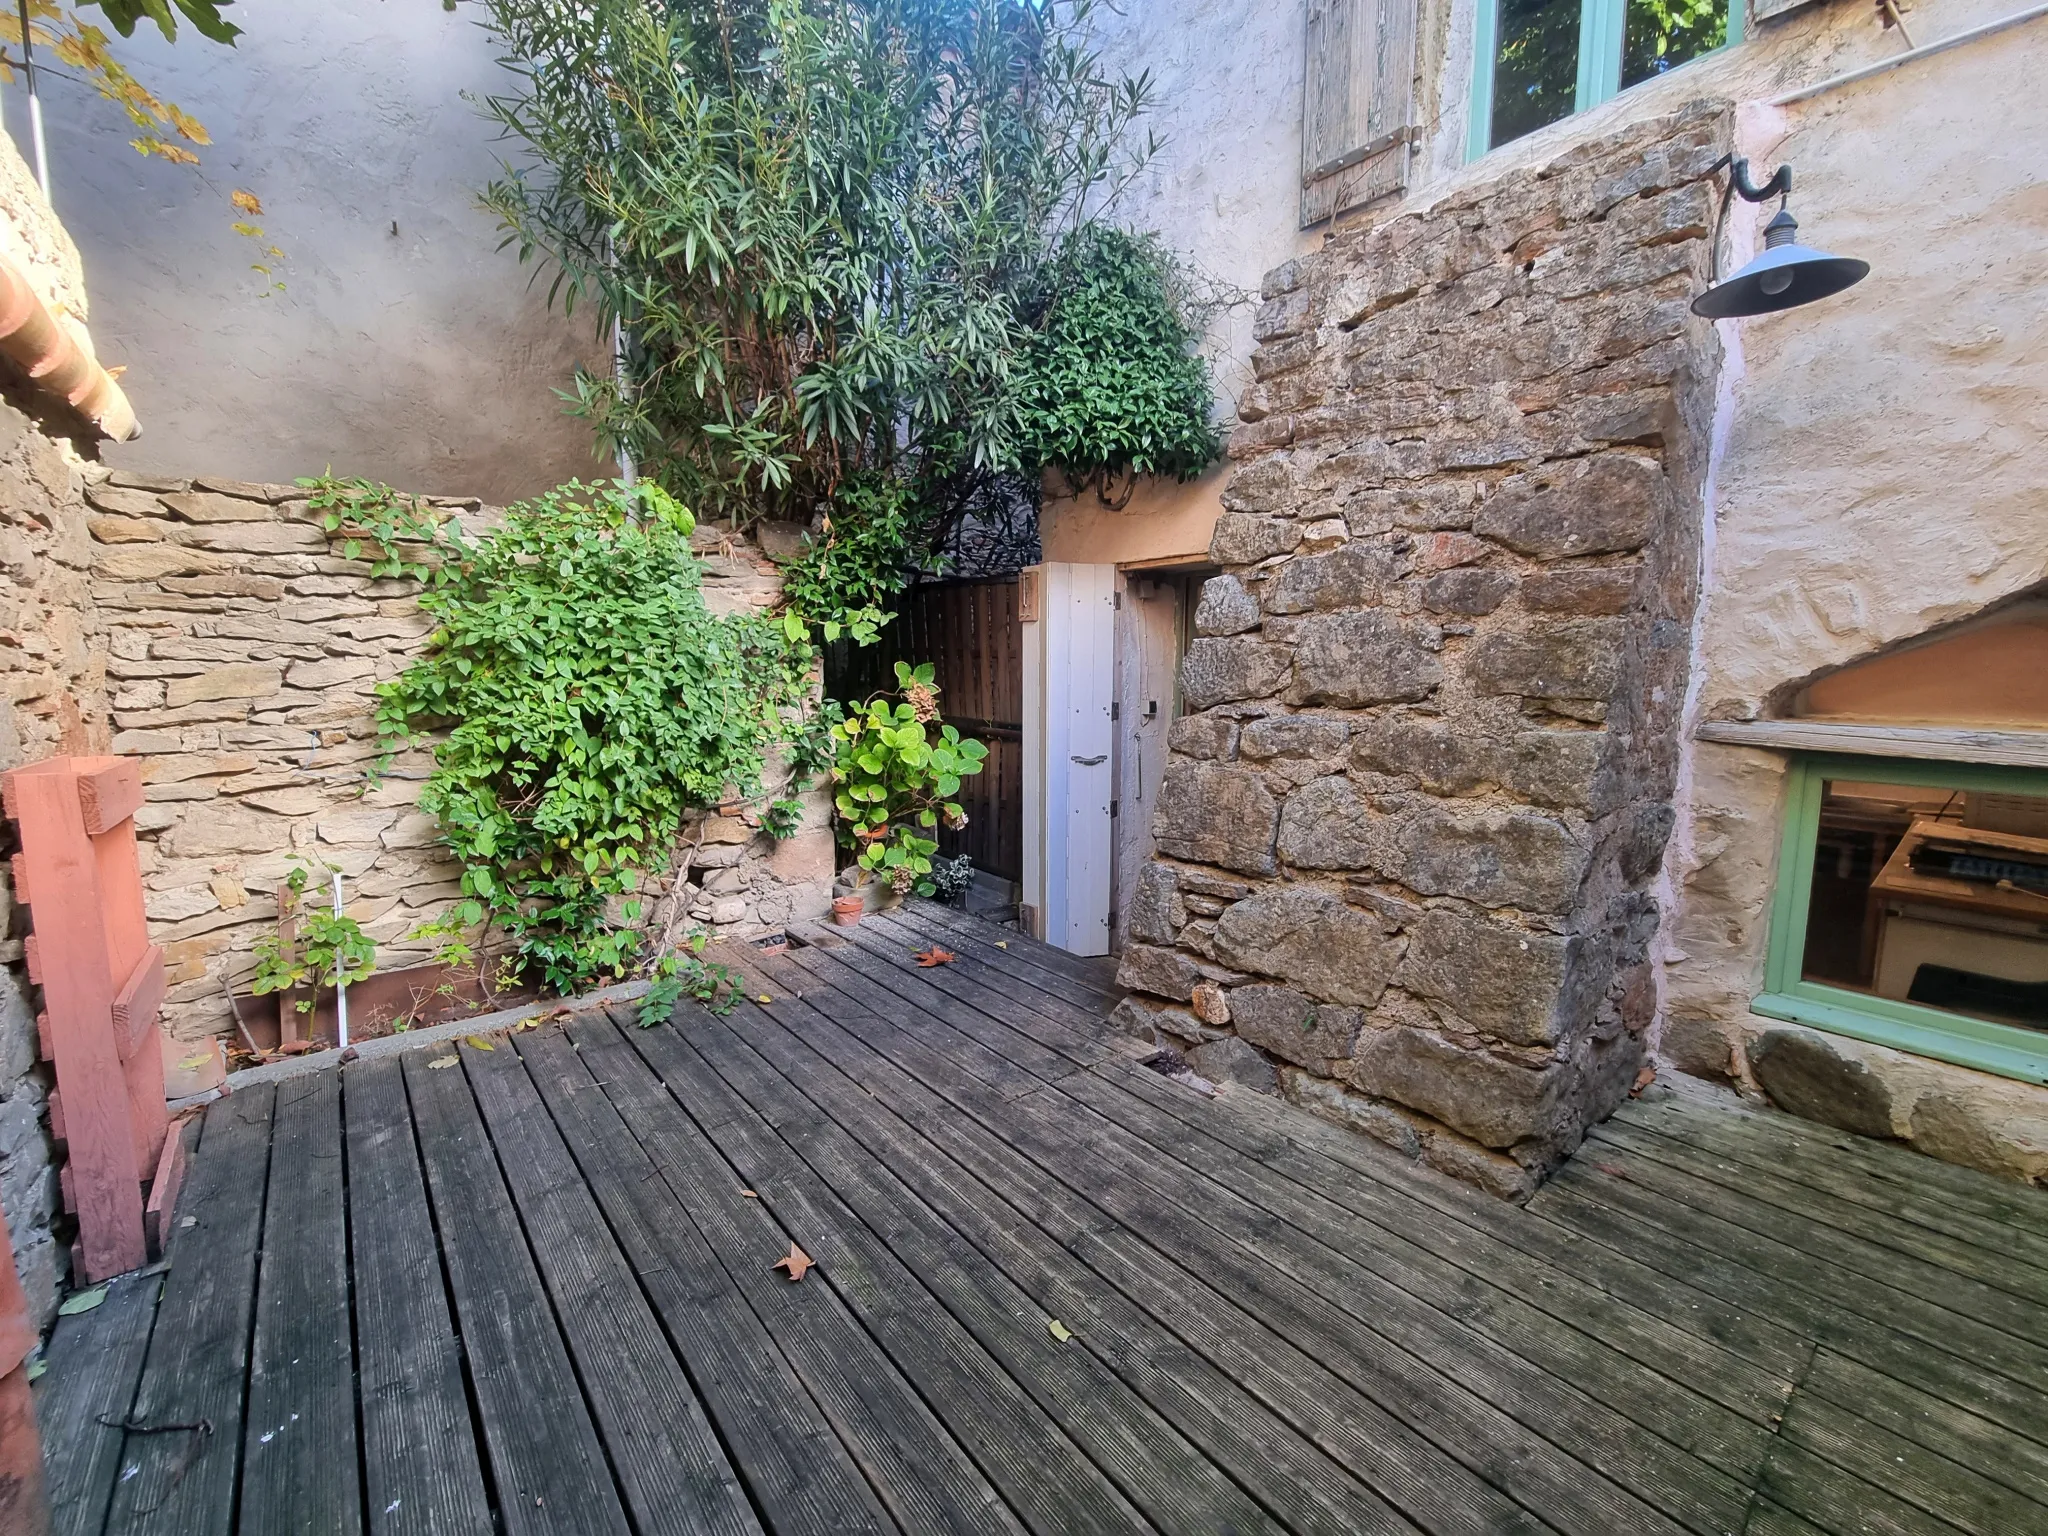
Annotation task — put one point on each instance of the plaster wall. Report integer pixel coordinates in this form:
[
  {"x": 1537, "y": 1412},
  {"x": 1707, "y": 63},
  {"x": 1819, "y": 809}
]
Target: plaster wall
[
  {"x": 1882, "y": 474},
  {"x": 405, "y": 345},
  {"x": 1225, "y": 191}
]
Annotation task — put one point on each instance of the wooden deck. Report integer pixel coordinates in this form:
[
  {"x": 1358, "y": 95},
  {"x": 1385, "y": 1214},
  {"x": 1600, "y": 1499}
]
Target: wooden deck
[{"x": 529, "y": 1289}]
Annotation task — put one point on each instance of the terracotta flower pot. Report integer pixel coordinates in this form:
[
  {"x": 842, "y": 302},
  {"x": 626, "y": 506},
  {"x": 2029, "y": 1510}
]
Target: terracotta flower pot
[{"x": 846, "y": 910}]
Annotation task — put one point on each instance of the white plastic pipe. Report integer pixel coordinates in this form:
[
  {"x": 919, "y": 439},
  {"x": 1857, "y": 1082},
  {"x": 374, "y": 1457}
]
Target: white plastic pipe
[{"x": 340, "y": 986}]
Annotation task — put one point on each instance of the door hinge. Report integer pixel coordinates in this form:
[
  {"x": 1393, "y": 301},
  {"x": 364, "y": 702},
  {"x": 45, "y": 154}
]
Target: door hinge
[
  {"x": 1115, "y": 710},
  {"x": 1112, "y": 809},
  {"x": 1117, "y": 599}
]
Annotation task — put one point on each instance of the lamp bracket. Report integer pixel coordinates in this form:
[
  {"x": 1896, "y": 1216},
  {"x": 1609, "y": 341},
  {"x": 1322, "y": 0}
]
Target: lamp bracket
[{"x": 1739, "y": 184}]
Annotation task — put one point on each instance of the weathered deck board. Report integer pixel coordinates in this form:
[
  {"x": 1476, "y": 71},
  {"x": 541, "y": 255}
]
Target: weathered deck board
[
  {"x": 299, "y": 1463},
  {"x": 185, "y": 1430},
  {"x": 534, "y": 1283},
  {"x": 422, "y": 1471},
  {"x": 547, "y": 1468},
  {"x": 95, "y": 1360},
  {"x": 784, "y": 1445},
  {"x": 668, "y": 1463}
]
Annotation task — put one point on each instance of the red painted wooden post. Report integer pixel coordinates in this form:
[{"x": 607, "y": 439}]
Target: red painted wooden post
[
  {"x": 23, "y": 1510},
  {"x": 76, "y": 918},
  {"x": 109, "y": 793}
]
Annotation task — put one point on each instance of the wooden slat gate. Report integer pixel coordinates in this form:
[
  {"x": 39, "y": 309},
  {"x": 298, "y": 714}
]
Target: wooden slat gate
[{"x": 968, "y": 630}]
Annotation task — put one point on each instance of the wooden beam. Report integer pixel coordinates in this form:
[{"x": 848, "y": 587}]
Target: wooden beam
[
  {"x": 1952, "y": 744},
  {"x": 109, "y": 792},
  {"x": 139, "y": 1001}
]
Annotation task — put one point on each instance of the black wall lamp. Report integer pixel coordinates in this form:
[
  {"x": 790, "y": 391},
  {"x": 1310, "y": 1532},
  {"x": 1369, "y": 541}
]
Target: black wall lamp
[{"x": 1786, "y": 274}]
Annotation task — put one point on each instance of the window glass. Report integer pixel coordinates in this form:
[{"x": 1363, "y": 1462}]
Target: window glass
[
  {"x": 1536, "y": 68},
  {"x": 1932, "y": 896},
  {"x": 1663, "y": 34}
]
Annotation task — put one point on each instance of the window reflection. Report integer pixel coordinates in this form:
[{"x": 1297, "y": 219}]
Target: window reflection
[{"x": 1933, "y": 896}]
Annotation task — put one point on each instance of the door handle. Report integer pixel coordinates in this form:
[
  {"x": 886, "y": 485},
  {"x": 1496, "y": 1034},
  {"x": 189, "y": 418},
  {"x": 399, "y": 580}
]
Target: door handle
[{"x": 1090, "y": 762}]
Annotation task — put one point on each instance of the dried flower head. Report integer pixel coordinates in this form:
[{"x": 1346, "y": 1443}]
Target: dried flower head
[{"x": 923, "y": 701}]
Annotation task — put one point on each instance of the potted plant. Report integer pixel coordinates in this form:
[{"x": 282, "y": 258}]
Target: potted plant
[{"x": 896, "y": 768}]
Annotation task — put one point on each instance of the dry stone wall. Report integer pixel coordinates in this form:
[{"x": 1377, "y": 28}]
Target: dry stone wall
[
  {"x": 242, "y": 658},
  {"x": 52, "y": 656},
  {"x": 1417, "y": 802}
]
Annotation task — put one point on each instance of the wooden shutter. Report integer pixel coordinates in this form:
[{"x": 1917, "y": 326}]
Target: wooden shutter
[{"x": 1358, "y": 104}]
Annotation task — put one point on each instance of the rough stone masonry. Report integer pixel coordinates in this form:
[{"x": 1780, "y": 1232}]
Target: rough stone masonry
[{"x": 1417, "y": 801}]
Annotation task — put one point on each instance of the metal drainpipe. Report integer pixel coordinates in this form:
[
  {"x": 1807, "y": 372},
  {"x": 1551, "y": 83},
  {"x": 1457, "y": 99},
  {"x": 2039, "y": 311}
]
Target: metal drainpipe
[
  {"x": 35, "y": 106},
  {"x": 340, "y": 985}
]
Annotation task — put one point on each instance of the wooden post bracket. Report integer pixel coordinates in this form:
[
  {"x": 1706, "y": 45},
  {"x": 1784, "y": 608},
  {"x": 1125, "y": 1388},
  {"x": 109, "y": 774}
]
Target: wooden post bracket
[{"x": 103, "y": 989}]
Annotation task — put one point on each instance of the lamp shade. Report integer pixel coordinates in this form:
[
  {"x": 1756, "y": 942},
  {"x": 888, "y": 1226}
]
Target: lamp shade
[{"x": 1786, "y": 275}]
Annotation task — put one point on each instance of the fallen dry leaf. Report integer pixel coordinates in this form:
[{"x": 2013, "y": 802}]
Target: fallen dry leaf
[
  {"x": 479, "y": 1042},
  {"x": 1002, "y": 943},
  {"x": 796, "y": 1261},
  {"x": 764, "y": 998},
  {"x": 927, "y": 958},
  {"x": 749, "y": 1194},
  {"x": 1059, "y": 1330},
  {"x": 84, "y": 1301},
  {"x": 439, "y": 1062}
]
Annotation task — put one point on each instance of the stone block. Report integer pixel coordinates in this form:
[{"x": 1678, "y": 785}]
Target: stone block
[
  {"x": 1151, "y": 917},
  {"x": 1354, "y": 576},
  {"x": 1244, "y": 540},
  {"x": 1339, "y": 1105},
  {"x": 1604, "y": 504},
  {"x": 1550, "y": 659},
  {"x": 1305, "y": 736},
  {"x": 1519, "y": 986},
  {"x": 1309, "y": 937},
  {"x": 1294, "y": 1026},
  {"x": 355, "y": 827},
  {"x": 1492, "y": 855},
  {"x": 727, "y": 829},
  {"x": 805, "y": 856},
  {"x": 1206, "y": 736},
  {"x": 330, "y": 672},
  {"x": 1806, "y": 1076},
  {"x": 210, "y": 507},
  {"x": 414, "y": 829},
  {"x": 1226, "y": 608},
  {"x": 1351, "y": 660},
  {"x": 236, "y": 680},
  {"x": 1160, "y": 972},
  {"x": 1442, "y": 760},
  {"x": 1494, "y": 1101},
  {"x": 124, "y": 530},
  {"x": 1213, "y": 813},
  {"x": 303, "y": 800},
  {"x": 1328, "y": 824},
  {"x": 1219, "y": 671},
  {"x": 1233, "y": 1061},
  {"x": 1472, "y": 593},
  {"x": 148, "y": 562},
  {"x": 1588, "y": 591}
]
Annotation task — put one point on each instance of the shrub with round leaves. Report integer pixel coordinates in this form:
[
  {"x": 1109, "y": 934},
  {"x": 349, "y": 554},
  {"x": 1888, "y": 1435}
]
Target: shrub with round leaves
[{"x": 897, "y": 768}]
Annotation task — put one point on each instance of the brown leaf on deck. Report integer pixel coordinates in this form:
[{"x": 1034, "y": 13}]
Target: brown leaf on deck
[
  {"x": 796, "y": 1261},
  {"x": 927, "y": 958}
]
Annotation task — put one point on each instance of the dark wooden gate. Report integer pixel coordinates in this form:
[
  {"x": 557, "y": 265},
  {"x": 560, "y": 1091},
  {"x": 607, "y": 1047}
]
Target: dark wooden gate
[{"x": 968, "y": 631}]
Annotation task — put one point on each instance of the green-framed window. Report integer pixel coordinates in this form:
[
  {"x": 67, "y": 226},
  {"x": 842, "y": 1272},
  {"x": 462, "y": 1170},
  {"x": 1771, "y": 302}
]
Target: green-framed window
[
  {"x": 1535, "y": 61},
  {"x": 1911, "y": 910}
]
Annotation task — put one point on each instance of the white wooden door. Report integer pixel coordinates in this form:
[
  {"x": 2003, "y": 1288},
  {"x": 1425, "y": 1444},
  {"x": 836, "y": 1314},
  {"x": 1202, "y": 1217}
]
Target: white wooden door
[
  {"x": 1069, "y": 622},
  {"x": 1148, "y": 625}
]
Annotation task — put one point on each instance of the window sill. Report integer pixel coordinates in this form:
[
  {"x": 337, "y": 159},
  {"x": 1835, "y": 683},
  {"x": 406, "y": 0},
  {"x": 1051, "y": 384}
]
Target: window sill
[
  {"x": 1947, "y": 744},
  {"x": 2000, "y": 1049}
]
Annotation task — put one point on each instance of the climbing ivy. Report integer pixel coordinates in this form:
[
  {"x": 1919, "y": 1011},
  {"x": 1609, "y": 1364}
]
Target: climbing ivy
[
  {"x": 1111, "y": 385},
  {"x": 588, "y": 699}
]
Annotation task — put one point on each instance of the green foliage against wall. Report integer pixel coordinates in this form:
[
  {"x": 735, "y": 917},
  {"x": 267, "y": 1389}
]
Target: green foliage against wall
[
  {"x": 821, "y": 229},
  {"x": 896, "y": 781},
  {"x": 589, "y": 699},
  {"x": 1111, "y": 384}
]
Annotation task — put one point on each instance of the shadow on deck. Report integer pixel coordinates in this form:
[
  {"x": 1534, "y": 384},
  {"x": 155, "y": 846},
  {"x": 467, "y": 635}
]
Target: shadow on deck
[{"x": 530, "y": 1287}]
